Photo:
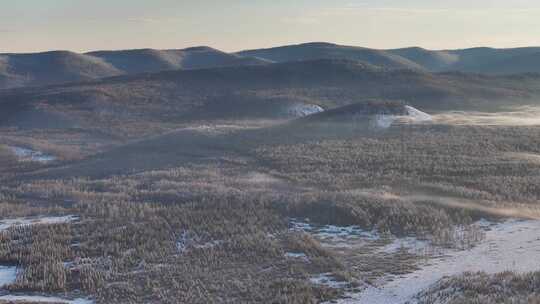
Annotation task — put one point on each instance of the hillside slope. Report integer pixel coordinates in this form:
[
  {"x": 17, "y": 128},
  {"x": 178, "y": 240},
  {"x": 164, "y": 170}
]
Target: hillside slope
[
  {"x": 150, "y": 60},
  {"x": 132, "y": 103},
  {"x": 319, "y": 50},
  {"x": 430, "y": 60},
  {"x": 18, "y": 70},
  {"x": 476, "y": 60},
  {"x": 527, "y": 63},
  {"x": 56, "y": 67}
]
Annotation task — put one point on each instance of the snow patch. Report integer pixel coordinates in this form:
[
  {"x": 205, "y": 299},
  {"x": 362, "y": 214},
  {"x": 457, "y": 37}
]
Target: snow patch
[
  {"x": 454, "y": 239},
  {"x": 28, "y": 155},
  {"x": 184, "y": 241},
  {"x": 8, "y": 223},
  {"x": 413, "y": 115},
  {"x": 188, "y": 240},
  {"x": 333, "y": 231},
  {"x": 43, "y": 299},
  {"x": 417, "y": 115},
  {"x": 301, "y": 110},
  {"x": 8, "y": 275},
  {"x": 328, "y": 280},
  {"x": 351, "y": 237},
  {"x": 409, "y": 244},
  {"x": 332, "y": 236},
  {"x": 297, "y": 255}
]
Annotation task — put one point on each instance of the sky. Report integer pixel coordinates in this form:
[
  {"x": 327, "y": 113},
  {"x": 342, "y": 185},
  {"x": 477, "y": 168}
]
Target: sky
[{"x": 233, "y": 25}]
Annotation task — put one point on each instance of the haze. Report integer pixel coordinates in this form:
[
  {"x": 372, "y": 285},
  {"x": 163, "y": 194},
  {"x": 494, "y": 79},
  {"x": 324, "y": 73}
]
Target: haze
[
  {"x": 284, "y": 151},
  {"x": 29, "y": 26}
]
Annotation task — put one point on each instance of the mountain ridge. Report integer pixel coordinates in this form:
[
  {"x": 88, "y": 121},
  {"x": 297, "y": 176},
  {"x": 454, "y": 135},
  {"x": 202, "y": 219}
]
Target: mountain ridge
[
  {"x": 57, "y": 67},
  {"x": 251, "y": 92}
]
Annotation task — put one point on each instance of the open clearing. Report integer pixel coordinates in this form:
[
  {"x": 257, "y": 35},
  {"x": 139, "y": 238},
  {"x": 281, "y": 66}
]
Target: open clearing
[{"x": 510, "y": 246}]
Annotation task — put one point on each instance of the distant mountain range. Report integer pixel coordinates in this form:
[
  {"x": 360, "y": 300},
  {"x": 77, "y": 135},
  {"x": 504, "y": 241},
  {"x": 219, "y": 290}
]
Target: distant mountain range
[
  {"x": 19, "y": 70},
  {"x": 476, "y": 60},
  {"x": 39, "y": 69},
  {"x": 319, "y": 50}
]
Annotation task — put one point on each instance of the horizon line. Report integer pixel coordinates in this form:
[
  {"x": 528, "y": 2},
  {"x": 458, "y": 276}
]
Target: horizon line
[{"x": 84, "y": 52}]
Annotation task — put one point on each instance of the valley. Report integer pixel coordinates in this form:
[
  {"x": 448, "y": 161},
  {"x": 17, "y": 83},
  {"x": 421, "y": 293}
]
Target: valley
[{"x": 287, "y": 178}]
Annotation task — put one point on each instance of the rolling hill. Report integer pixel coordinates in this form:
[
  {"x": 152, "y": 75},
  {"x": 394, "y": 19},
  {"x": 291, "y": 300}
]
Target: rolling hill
[
  {"x": 56, "y": 67},
  {"x": 475, "y": 60},
  {"x": 430, "y": 60},
  {"x": 525, "y": 63},
  {"x": 131, "y": 105},
  {"x": 18, "y": 70},
  {"x": 321, "y": 50},
  {"x": 482, "y": 60},
  {"x": 150, "y": 60}
]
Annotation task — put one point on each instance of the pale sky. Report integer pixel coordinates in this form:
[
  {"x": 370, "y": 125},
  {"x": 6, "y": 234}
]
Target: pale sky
[{"x": 232, "y": 25}]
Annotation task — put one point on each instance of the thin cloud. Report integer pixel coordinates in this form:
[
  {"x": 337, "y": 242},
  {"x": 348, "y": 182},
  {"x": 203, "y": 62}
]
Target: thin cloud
[
  {"x": 154, "y": 20},
  {"x": 359, "y": 9},
  {"x": 366, "y": 9},
  {"x": 142, "y": 20}
]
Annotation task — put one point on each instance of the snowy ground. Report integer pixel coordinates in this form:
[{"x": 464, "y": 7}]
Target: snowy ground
[
  {"x": 28, "y": 155},
  {"x": 42, "y": 299},
  {"x": 8, "y": 274},
  {"x": 301, "y": 110},
  {"x": 413, "y": 116},
  {"x": 332, "y": 231},
  {"x": 354, "y": 237},
  {"x": 8, "y": 223},
  {"x": 513, "y": 245},
  {"x": 326, "y": 279},
  {"x": 335, "y": 236},
  {"x": 189, "y": 240}
]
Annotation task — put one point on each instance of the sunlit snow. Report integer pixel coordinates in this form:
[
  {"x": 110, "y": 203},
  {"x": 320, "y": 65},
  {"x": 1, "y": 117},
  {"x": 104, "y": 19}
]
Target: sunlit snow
[
  {"x": 8, "y": 274},
  {"x": 413, "y": 115},
  {"x": 43, "y": 299},
  {"x": 301, "y": 110},
  {"x": 513, "y": 245},
  {"x": 28, "y": 155},
  {"x": 8, "y": 223}
]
